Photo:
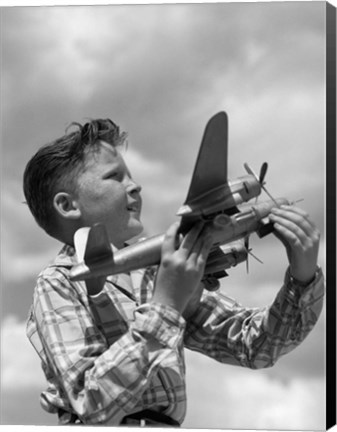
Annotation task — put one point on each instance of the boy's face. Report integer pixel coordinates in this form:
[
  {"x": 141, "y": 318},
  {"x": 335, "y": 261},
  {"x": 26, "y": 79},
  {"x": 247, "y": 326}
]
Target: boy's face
[{"x": 107, "y": 194}]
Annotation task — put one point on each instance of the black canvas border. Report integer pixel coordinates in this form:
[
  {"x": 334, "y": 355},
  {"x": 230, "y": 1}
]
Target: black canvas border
[{"x": 330, "y": 215}]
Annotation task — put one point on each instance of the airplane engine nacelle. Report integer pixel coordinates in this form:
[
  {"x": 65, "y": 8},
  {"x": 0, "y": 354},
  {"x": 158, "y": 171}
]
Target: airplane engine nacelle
[{"x": 244, "y": 188}]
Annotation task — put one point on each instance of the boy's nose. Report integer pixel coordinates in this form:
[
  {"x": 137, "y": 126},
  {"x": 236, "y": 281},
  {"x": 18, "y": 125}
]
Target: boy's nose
[{"x": 133, "y": 187}]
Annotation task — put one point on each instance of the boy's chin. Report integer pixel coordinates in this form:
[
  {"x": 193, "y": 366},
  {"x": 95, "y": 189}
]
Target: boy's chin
[
  {"x": 127, "y": 234},
  {"x": 135, "y": 231}
]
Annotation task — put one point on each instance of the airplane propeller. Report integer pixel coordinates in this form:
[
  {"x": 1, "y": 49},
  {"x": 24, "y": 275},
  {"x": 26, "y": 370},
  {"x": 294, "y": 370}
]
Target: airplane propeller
[
  {"x": 260, "y": 178},
  {"x": 249, "y": 252},
  {"x": 263, "y": 172}
]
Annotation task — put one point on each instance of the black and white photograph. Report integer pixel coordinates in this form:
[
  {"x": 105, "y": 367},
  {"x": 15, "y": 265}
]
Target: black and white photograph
[{"x": 163, "y": 207}]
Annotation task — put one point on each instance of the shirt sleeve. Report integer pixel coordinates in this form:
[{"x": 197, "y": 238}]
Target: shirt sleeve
[
  {"x": 255, "y": 337},
  {"x": 103, "y": 383}
]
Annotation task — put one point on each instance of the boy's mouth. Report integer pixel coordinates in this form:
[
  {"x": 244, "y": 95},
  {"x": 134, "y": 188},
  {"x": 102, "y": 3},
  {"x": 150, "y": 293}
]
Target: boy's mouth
[{"x": 134, "y": 207}]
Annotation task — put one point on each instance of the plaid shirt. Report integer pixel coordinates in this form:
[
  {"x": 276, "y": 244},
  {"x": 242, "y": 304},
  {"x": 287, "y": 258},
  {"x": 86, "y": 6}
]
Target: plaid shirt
[{"x": 113, "y": 354}]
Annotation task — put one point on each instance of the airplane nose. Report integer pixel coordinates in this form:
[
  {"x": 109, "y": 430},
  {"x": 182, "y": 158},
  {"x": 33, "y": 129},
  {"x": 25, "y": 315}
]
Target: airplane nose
[{"x": 254, "y": 187}]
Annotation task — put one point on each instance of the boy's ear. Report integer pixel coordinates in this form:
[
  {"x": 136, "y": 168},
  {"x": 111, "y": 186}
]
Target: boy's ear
[{"x": 66, "y": 205}]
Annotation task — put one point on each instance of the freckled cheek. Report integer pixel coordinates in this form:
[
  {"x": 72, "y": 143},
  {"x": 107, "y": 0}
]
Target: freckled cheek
[
  {"x": 92, "y": 201},
  {"x": 88, "y": 192},
  {"x": 107, "y": 203}
]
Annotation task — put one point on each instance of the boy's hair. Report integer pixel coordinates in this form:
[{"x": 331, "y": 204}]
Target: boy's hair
[{"x": 56, "y": 165}]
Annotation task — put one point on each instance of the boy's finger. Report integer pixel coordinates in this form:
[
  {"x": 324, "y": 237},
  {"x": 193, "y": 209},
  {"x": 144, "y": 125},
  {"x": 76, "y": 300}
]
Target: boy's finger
[
  {"x": 296, "y": 211},
  {"x": 205, "y": 249},
  {"x": 287, "y": 217},
  {"x": 288, "y": 236},
  {"x": 191, "y": 237},
  {"x": 202, "y": 248},
  {"x": 170, "y": 240},
  {"x": 290, "y": 226}
]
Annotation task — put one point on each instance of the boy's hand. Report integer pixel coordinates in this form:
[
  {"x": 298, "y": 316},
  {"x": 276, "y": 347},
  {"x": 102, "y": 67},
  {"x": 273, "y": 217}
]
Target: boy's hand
[
  {"x": 300, "y": 238},
  {"x": 182, "y": 267}
]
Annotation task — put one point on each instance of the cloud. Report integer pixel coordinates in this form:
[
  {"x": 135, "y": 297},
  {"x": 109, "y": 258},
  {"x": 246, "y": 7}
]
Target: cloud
[
  {"x": 25, "y": 248},
  {"x": 113, "y": 59},
  {"x": 234, "y": 398},
  {"x": 20, "y": 366}
]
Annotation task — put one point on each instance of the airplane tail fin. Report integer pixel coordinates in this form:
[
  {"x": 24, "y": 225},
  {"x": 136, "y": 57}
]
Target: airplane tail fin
[
  {"x": 80, "y": 242},
  {"x": 92, "y": 244}
]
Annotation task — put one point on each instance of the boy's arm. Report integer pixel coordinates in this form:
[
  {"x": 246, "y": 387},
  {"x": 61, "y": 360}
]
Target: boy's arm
[
  {"x": 102, "y": 383},
  {"x": 256, "y": 338}
]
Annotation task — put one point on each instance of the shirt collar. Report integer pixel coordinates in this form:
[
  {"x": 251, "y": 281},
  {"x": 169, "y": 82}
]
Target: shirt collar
[{"x": 66, "y": 257}]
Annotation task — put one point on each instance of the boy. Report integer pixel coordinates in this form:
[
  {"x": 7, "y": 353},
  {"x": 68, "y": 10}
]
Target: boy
[{"x": 112, "y": 349}]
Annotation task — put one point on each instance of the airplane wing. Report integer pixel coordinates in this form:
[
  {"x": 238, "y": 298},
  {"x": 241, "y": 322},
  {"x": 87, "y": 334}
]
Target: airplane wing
[{"x": 210, "y": 170}]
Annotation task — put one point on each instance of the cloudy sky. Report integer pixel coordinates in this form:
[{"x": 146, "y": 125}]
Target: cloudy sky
[{"x": 160, "y": 72}]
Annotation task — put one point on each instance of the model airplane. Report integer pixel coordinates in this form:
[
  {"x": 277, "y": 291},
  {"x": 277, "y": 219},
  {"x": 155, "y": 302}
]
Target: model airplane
[
  {"x": 97, "y": 257},
  {"x": 211, "y": 198}
]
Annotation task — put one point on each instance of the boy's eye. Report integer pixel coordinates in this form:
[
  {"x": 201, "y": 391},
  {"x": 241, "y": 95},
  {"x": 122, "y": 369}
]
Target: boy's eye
[{"x": 112, "y": 175}]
